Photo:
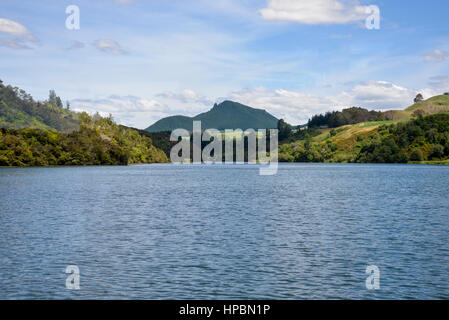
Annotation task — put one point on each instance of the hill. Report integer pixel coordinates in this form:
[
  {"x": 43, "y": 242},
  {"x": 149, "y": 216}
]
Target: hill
[
  {"x": 19, "y": 110},
  {"x": 226, "y": 115},
  {"x": 437, "y": 104},
  {"x": 99, "y": 141},
  {"x": 406, "y": 136},
  {"x": 34, "y": 133}
]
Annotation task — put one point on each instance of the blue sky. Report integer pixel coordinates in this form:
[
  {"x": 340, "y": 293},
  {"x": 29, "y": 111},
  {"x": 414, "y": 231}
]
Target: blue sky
[{"x": 143, "y": 60}]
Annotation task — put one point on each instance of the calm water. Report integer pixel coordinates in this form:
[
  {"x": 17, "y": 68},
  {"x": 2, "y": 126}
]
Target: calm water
[{"x": 224, "y": 232}]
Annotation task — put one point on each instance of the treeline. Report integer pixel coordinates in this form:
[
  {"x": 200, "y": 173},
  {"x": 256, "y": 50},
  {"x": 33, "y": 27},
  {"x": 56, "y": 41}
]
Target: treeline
[
  {"x": 161, "y": 140},
  {"x": 425, "y": 138},
  {"x": 346, "y": 116},
  {"x": 99, "y": 141},
  {"x": 19, "y": 110}
]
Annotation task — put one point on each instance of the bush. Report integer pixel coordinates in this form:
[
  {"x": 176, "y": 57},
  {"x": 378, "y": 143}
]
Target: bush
[
  {"x": 417, "y": 155},
  {"x": 437, "y": 151}
]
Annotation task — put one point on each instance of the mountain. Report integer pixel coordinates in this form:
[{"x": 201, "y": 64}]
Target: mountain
[
  {"x": 19, "y": 110},
  {"x": 226, "y": 115}
]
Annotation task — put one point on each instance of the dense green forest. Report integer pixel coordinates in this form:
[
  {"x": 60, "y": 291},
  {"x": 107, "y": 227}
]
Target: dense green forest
[
  {"x": 425, "y": 138},
  {"x": 346, "y": 116},
  {"x": 99, "y": 141},
  {"x": 47, "y": 133}
]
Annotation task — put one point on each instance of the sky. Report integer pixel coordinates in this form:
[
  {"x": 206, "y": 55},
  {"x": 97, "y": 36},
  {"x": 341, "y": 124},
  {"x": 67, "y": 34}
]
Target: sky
[{"x": 142, "y": 60}]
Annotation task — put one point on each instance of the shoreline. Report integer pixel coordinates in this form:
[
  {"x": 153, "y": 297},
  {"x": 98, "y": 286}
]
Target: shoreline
[{"x": 423, "y": 163}]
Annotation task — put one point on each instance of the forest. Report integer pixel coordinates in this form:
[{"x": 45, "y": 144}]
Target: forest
[
  {"x": 346, "y": 116},
  {"x": 45, "y": 133},
  {"x": 99, "y": 141}
]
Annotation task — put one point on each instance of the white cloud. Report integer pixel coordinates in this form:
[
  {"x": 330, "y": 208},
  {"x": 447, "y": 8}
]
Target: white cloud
[
  {"x": 186, "y": 96},
  {"x": 17, "y": 35},
  {"x": 437, "y": 56},
  {"x": 128, "y": 110},
  {"x": 109, "y": 46},
  {"x": 142, "y": 112},
  {"x": 378, "y": 94},
  {"x": 15, "y": 29},
  {"x": 297, "y": 107},
  {"x": 294, "y": 107},
  {"x": 315, "y": 11}
]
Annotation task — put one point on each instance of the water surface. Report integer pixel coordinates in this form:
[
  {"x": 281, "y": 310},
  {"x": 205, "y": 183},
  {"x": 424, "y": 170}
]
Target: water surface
[{"x": 224, "y": 232}]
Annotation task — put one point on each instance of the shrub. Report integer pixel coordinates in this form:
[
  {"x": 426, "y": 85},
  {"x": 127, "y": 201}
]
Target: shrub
[
  {"x": 417, "y": 155},
  {"x": 437, "y": 151}
]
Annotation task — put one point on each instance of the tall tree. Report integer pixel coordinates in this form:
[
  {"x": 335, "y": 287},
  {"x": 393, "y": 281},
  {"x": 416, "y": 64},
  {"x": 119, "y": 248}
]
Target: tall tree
[
  {"x": 59, "y": 102},
  {"x": 284, "y": 128},
  {"x": 52, "y": 97},
  {"x": 418, "y": 98}
]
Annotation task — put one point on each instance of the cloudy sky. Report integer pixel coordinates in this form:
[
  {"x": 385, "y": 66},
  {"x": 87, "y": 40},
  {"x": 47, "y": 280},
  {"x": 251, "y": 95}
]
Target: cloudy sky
[{"x": 142, "y": 60}]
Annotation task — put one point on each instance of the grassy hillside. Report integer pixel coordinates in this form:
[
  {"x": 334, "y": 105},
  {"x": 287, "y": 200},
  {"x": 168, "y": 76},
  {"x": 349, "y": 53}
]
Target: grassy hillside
[
  {"x": 226, "y": 115},
  {"x": 19, "y": 110},
  {"x": 407, "y": 136},
  {"x": 421, "y": 139},
  {"x": 437, "y": 104}
]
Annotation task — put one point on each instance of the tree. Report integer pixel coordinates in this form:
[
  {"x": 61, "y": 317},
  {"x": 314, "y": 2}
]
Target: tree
[
  {"x": 419, "y": 98},
  {"x": 284, "y": 128},
  {"x": 417, "y": 155},
  {"x": 52, "y": 97},
  {"x": 437, "y": 151},
  {"x": 67, "y": 105},
  {"x": 59, "y": 102}
]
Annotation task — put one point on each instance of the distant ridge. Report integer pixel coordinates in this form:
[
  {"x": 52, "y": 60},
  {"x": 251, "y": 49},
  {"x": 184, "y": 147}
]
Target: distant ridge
[{"x": 226, "y": 115}]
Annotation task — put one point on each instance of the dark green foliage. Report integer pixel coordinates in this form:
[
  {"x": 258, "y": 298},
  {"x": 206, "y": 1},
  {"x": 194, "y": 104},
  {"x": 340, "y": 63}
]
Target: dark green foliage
[
  {"x": 54, "y": 99},
  {"x": 437, "y": 151},
  {"x": 419, "y": 97},
  {"x": 98, "y": 142},
  {"x": 417, "y": 155},
  {"x": 347, "y": 116},
  {"x": 226, "y": 115},
  {"x": 425, "y": 138},
  {"x": 161, "y": 140},
  {"x": 284, "y": 128}
]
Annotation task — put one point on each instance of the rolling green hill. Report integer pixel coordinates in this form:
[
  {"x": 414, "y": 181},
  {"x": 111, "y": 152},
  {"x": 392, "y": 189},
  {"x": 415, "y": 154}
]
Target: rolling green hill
[
  {"x": 437, "y": 104},
  {"x": 226, "y": 115},
  {"x": 405, "y": 136},
  {"x": 19, "y": 110}
]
